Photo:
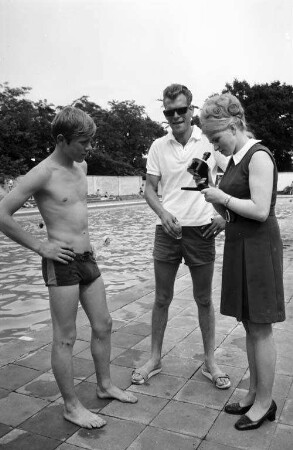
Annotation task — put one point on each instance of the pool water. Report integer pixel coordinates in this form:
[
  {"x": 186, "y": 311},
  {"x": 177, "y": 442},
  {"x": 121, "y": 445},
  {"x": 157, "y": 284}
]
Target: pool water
[{"x": 123, "y": 241}]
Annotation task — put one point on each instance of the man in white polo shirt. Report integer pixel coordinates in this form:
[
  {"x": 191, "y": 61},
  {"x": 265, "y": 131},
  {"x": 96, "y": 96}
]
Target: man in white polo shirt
[{"x": 168, "y": 160}]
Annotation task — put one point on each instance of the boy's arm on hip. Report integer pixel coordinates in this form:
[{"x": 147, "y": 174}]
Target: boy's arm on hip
[{"x": 30, "y": 184}]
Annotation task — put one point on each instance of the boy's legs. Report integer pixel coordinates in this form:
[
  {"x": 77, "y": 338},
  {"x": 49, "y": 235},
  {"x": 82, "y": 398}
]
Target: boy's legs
[
  {"x": 165, "y": 274},
  {"x": 93, "y": 300},
  {"x": 202, "y": 276},
  {"x": 63, "y": 304}
]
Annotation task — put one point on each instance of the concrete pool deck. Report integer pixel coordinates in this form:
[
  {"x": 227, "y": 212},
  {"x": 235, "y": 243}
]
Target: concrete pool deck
[{"x": 177, "y": 409}]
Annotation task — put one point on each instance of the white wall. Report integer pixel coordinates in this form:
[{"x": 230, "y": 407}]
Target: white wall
[
  {"x": 126, "y": 185},
  {"x": 284, "y": 179}
]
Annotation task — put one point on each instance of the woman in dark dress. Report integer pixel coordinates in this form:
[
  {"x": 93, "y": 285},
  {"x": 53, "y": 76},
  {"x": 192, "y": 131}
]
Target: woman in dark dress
[{"x": 252, "y": 279}]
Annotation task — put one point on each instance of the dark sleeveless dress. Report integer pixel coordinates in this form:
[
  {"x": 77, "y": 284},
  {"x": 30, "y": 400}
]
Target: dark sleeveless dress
[{"x": 252, "y": 278}]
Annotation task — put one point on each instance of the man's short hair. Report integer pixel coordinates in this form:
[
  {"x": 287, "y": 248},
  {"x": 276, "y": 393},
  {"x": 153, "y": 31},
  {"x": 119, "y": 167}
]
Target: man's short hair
[
  {"x": 72, "y": 122},
  {"x": 174, "y": 90}
]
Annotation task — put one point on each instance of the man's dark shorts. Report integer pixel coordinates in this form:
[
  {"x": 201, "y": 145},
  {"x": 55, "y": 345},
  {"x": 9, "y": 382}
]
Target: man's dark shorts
[
  {"x": 82, "y": 270},
  {"x": 193, "y": 247}
]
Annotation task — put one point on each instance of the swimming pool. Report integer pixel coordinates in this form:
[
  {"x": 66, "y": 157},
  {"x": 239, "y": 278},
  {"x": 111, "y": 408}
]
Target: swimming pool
[{"x": 124, "y": 263}]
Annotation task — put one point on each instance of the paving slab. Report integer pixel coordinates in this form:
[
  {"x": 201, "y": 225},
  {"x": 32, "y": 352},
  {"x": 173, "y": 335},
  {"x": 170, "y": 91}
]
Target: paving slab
[
  {"x": 66, "y": 446},
  {"x": 180, "y": 367},
  {"x": 231, "y": 356},
  {"x": 211, "y": 445},
  {"x": 44, "y": 387},
  {"x": 4, "y": 429},
  {"x": 140, "y": 328},
  {"x": 188, "y": 349},
  {"x": 3, "y": 393},
  {"x": 284, "y": 365},
  {"x": 155, "y": 438},
  {"x": 16, "y": 408},
  {"x": 131, "y": 358},
  {"x": 22, "y": 440},
  {"x": 125, "y": 340},
  {"x": 290, "y": 393},
  {"x": 287, "y": 413},
  {"x": 145, "y": 345},
  {"x": 83, "y": 368},
  {"x": 87, "y": 354},
  {"x": 202, "y": 394},
  {"x": 39, "y": 360},
  {"x": 116, "y": 435},
  {"x": 144, "y": 411},
  {"x": 283, "y": 438},
  {"x": 86, "y": 393},
  {"x": 186, "y": 418},
  {"x": 13, "y": 376}
]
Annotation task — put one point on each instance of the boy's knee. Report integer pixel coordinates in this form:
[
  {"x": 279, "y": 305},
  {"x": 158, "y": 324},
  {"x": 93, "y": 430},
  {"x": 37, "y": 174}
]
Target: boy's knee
[{"x": 65, "y": 340}]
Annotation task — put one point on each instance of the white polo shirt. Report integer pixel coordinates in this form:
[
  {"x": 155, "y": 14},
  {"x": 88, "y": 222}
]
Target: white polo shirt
[{"x": 169, "y": 160}]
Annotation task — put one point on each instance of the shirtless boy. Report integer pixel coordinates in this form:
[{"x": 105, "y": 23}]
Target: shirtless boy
[{"x": 59, "y": 187}]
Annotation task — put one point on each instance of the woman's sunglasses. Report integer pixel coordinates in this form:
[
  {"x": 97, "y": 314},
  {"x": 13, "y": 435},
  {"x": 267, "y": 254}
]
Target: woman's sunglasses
[{"x": 179, "y": 111}]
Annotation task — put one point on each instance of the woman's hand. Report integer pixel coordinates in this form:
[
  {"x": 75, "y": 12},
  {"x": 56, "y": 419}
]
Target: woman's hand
[
  {"x": 218, "y": 224},
  {"x": 214, "y": 195}
]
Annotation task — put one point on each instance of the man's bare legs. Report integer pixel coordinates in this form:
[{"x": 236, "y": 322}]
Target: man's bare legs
[
  {"x": 63, "y": 304},
  {"x": 202, "y": 277},
  {"x": 165, "y": 274},
  {"x": 262, "y": 371},
  {"x": 93, "y": 300}
]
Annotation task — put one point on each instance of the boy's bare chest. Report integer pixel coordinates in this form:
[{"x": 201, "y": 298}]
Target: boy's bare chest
[{"x": 67, "y": 189}]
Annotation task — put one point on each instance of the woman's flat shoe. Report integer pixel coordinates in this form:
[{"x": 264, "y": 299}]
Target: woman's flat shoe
[
  {"x": 235, "y": 408},
  {"x": 244, "y": 423}
]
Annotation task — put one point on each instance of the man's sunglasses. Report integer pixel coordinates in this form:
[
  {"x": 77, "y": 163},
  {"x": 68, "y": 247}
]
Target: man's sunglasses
[{"x": 179, "y": 111}]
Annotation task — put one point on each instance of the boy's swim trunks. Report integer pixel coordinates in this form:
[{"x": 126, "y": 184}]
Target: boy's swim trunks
[{"x": 82, "y": 270}]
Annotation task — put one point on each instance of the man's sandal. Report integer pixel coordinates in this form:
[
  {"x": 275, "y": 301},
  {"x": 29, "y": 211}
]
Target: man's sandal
[
  {"x": 215, "y": 379},
  {"x": 140, "y": 376}
]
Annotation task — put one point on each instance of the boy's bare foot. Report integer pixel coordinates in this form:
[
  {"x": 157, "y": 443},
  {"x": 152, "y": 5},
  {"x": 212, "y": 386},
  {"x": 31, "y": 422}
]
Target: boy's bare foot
[
  {"x": 117, "y": 394},
  {"x": 82, "y": 417}
]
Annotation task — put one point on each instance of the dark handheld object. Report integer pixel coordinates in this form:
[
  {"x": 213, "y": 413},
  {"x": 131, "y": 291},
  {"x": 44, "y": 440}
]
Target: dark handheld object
[{"x": 200, "y": 168}]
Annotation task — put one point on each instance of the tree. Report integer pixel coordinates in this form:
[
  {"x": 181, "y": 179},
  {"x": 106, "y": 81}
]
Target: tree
[
  {"x": 269, "y": 114},
  {"x": 25, "y": 134},
  {"x": 124, "y": 135}
]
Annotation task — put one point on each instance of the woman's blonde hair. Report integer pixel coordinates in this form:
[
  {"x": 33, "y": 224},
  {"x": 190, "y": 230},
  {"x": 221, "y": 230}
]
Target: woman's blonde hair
[{"x": 219, "y": 111}]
